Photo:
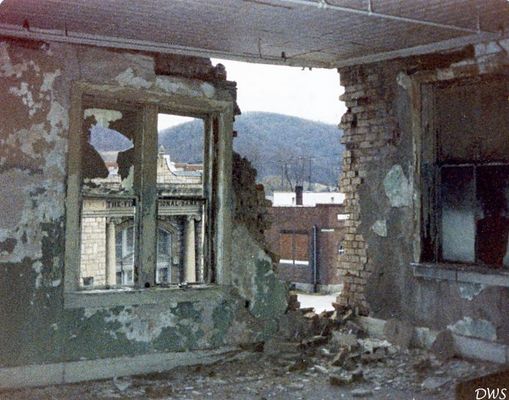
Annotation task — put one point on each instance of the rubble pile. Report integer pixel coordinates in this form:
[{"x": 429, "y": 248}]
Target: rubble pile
[
  {"x": 333, "y": 344},
  {"x": 326, "y": 356}
]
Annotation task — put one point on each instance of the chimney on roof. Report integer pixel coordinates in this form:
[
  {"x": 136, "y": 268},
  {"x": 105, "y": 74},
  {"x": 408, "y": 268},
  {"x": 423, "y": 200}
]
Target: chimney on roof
[{"x": 298, "y": 195}]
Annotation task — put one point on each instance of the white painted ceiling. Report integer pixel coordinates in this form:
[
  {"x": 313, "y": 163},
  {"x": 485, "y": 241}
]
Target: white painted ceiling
[{"x": 296, "y": 32}]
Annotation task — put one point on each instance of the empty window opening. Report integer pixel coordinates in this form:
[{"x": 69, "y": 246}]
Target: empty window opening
[
  {"x": 108, "y": 197},
  {"x": 117, "y": 175},
  {"x": 181, "y": 201},
  {"x": 471, "y": 175}
]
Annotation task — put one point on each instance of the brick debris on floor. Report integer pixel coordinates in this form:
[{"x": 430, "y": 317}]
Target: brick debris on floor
[{"x": 316, "y": 356}]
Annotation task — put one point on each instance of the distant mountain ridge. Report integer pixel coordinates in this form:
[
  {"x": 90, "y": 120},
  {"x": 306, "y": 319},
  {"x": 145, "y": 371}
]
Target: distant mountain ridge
[
  {"x": 277, "y": 145},
  {"x": 270, "y": 141}
]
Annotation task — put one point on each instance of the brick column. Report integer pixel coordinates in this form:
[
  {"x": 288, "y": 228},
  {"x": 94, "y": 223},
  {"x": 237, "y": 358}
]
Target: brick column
[{"x": 369, "y": 132}]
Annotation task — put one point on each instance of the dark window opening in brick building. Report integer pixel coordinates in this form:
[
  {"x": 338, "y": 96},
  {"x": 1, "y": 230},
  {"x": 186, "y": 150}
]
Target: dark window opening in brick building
[{"x": 471, "y": 174}]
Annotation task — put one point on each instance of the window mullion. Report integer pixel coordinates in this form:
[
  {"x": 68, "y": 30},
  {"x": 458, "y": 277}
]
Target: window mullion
[
  {"x": 210, "y": 177},
  {"x": 146, "y": 187},
  {"x": 476, "y": 215}
]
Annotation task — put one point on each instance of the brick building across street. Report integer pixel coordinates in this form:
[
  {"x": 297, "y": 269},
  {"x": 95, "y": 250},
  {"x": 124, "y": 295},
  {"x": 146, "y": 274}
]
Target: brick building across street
[{"x": 308, "y": 239}]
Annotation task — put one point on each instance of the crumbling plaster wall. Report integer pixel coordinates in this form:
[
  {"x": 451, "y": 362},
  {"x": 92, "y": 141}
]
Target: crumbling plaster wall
[
  {"x": 36, "y": 328},
  {"x": 253, "y": 264},
  {"x": 381, "y": 185}
]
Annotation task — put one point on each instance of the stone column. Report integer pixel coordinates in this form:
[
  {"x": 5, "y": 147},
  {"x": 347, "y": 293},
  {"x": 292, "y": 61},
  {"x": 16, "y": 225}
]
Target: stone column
[
  {"x": 111, "y": 261},
  {"x": 199, "y": 254},
  {"x": 189, "y": 251}
]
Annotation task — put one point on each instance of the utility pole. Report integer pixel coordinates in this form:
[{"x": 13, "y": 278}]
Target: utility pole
[
  {"x": 310, "y": 160},
  {"x": 282, "y": 175}
]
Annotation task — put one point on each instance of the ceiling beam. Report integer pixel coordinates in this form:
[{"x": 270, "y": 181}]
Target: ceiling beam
[
  {"x": 323, "y": 4},
  {"x": 419, "y": 50},
  {"x": 61, "y": 36},
  {"x": 147, "y": 46}
]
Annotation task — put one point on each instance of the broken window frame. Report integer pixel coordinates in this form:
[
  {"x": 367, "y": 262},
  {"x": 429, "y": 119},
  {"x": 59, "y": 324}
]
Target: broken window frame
[
  {"x": 476, "y": 170},
  {"x": 218, "y": 121},
  {"x": 428, "y": 172}
]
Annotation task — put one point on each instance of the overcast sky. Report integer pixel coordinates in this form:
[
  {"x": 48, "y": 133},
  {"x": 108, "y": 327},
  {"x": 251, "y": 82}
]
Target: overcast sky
[{"x": 285, "y": 90}]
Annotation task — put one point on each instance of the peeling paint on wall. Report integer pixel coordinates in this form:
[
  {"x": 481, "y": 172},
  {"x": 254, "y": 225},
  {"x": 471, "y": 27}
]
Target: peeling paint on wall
[
  {"x": 103, "y": 117},
  {"x": 127, "y": 78},
  {"x": 37, "y": 267},
  {"x": 26, "y": 97},
  {"x": 140, "y": 326},
  {"x": 478, "y": 328},
  {"x": 404, "y": 81},
  {"x": 397, "y": 187},
  {"x": 36, "y": 96},
  {"x": 8, "y": 69},
  {"x": 391, "y": 112},
  {"x": 184, "y": 86},
  {"x": 470, "y": 290},
  {"x": 208, "y": 90},
  {"x": 32, "y": 163},
  {"x": 380, "y": 227}
]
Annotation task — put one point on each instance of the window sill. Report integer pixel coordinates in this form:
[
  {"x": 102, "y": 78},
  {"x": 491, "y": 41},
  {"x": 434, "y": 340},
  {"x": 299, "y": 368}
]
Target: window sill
[
  {"x": 462, "y": 273},
  {"x": 129, "y": 296}
]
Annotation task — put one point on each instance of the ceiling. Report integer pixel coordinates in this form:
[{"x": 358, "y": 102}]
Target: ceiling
[{"x": 328, "y": 33}]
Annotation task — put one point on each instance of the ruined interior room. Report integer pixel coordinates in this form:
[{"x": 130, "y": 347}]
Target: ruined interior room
[{"x": 125, "y": 273}]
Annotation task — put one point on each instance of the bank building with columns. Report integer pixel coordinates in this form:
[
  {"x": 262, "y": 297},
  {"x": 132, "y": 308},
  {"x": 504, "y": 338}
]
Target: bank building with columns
[{"x": 109, "y": 220}]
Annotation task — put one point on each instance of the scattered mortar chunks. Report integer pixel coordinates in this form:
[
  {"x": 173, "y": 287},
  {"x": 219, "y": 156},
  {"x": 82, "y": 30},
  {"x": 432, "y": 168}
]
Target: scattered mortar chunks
[
  {"x": 372, "y": 344},
  {"x": 325, "y": 352},
  {"x": 316, "y": 340},
  {"x": 321, "y": 369},
  {"x": 361, "y": 393},
  {"x": 433, "y": 383},
  {"x": 341, "y": 379},
  {"x": 340, "y": 357},
  {"x": 339, "y": 339},
  {"x": 335, "y": 346},
  {"x": 122, "y": 384}
]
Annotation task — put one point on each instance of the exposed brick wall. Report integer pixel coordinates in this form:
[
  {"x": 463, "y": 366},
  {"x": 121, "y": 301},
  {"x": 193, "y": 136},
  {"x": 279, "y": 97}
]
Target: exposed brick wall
[
  {"x": 369, "y": 126},
  {"x": 378, "y": 135},
  {"x": 302, "y": 219},
  {"x": 250, "y": 203},
  {"x": 297, "y": 273}
]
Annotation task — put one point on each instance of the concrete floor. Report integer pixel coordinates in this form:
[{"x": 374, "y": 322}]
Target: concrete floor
[
  {"x": 256, "y": 376},
  {"x": 320, "y": 302}
]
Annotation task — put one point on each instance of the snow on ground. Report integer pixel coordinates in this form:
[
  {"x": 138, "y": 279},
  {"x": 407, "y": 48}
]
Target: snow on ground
[{"x": 320, "y": 302}]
